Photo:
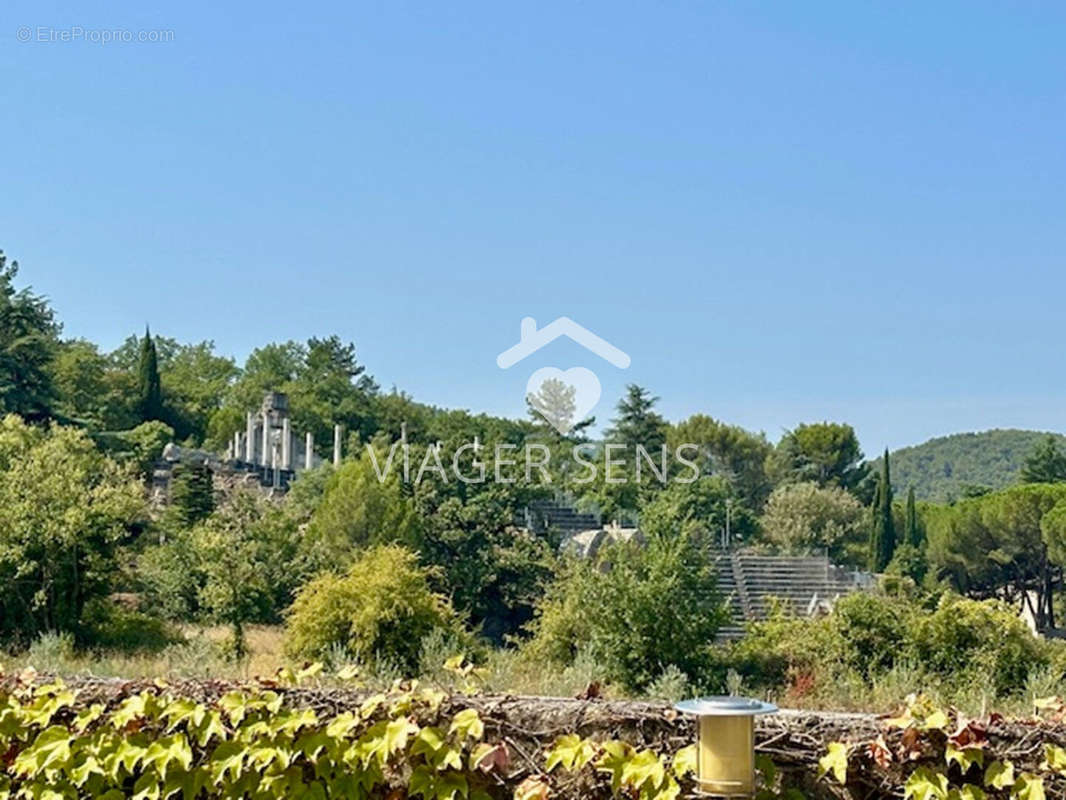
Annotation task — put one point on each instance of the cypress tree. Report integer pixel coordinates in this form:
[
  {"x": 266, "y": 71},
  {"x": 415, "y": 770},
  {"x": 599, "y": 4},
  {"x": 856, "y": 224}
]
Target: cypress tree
[
  {"x": 149, "y": 387},
  {"x": 883, "y": 535},
  {"x": 192, "y": 494},
  {"x": 913, "y": 535}
]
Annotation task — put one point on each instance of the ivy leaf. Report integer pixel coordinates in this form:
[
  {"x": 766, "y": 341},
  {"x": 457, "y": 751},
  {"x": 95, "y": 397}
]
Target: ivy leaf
[
  {"x": 432, "y": 743},
  {"x": 397, "y": 732},
  {"x": 50, "y": 749},
  {"x": 88, "y": 716},
  {"x": 571, "y": 752},
  {"x": 309, "y": 671},
  {"x": 937, "y": 721},
  {"x": 130, "y": 709},
  {"x": 1029, "y": 787},
  {"x": 432, "y": 698},
  {"x": 236, "y": 705},
  {"x": 644, "y": 770},
  {"x": 341, "y": 725},
  {"x": 468, "y": 724},
  {"x": 925, "y": 784},
  {"x": 451, "y": 784},
  {"x": 999, "y": 775},
  {"x": 835, "y": 761},
  {"x": 146, "y": 787},
  {"x": 965, "y": 757},
  {"x": 370, "y": 705},
  {"x": 685, "y": 762},
  {"x": 1054, "y": 759},
  {"x": 89, "y": 767}
]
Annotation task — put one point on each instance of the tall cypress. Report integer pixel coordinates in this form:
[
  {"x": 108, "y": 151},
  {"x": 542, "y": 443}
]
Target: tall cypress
[
  {"x": 149, "y": 387},
  {"x": 913, "y": 534},
  {"x": 883, "y": 535}
]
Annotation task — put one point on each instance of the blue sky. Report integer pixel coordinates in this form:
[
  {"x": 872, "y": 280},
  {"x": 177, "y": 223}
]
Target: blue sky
[{"x": 782, "y": 212}]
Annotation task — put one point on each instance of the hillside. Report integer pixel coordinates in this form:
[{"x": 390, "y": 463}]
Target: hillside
[{"x": 940, "y": 468}]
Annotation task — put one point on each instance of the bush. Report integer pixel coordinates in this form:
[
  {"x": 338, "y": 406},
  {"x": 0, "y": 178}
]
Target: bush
[
  {"x": 113, "y": 627},
  {"x": 634, "y": 611},
  {"x": 380, "y": 610},
  {"x": 966, "y": 639},
  {"x": 872, "y": 631},
  {"x": 783, "y": 650}
]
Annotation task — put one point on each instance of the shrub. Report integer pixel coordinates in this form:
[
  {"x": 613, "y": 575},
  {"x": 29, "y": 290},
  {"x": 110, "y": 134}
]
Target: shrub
[
  {"x": 783, "y": 649},
  {"x": 967, "y": 638},
  {"x": 872, "y": 631},
  {"x": 381, "y": 609},
  {"x": 635, "y": 611},
  {"x": 116, "y": 628}
]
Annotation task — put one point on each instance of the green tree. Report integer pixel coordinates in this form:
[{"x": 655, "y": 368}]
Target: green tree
[
  {"x": 149, "y": 385},
  {"x": 188, "y": 577},
  {"x": 883, "y": 534},
  {"x": 634, "y": 611},
  {"x": 996, "y": 545},
  {"x": 64, "y": 510},
  {"x": 493, "y": 571},
  {"x": 241, "y": 558},
  {"x": 1046, "y": 464},
  {"x": 379, "y": 610},
  {"x": 192, "y": 494},
  {"x": 358, "y": 510},
  {"x": 738, "y": 455},
  {"x": 826, "y": 453},
  {"x": 636, "y": 421},
  {"x": 28, "y": 334},
  {"x": 805, "y": 518},
  {"x": 699, "y": 510},
  {"x": 913, "y": 533}
]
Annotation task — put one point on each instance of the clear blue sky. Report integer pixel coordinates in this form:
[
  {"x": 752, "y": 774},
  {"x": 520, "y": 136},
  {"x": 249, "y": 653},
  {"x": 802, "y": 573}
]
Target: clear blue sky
[{"x": 782, "y": 212}]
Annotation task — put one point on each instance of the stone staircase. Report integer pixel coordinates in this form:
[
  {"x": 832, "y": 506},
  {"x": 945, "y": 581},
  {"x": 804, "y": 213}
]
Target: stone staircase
[
  {"x": 751, "y": 584},
  {"x": 543, "y": 515}
]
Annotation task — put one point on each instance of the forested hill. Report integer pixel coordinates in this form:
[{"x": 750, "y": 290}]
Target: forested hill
[{"x": 942, "y": 468}]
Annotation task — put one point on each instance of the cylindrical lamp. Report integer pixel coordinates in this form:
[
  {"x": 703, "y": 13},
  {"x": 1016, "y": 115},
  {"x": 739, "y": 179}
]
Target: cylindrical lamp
[{"x": 726, "y": 743}]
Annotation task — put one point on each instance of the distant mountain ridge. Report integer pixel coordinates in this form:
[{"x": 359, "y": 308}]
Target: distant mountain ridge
[{"x": 940, "y": 469}]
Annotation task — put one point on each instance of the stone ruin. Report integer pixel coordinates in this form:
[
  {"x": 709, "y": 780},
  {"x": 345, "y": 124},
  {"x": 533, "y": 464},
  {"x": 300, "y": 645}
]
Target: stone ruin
[{"x": 267, "y": 454}]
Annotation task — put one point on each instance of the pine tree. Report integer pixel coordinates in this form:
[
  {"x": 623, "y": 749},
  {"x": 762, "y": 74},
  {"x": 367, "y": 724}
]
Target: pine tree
[
  {"x": 883, "y": 535},
  {"x": 637, "y": 422},
  {"x": 1046, "y": 464},
  {"x": 913, "y": 534},
  {"x": 149, "y": 387}
]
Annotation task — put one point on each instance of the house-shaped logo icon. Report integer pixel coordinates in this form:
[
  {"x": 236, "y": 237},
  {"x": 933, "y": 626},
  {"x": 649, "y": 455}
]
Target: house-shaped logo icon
[
  {"x": 532, "y": 340},
  {"x": 562, "y": 397}
]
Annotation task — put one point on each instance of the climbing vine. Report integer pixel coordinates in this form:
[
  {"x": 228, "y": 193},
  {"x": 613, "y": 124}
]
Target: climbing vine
[
  {"x": 250, "y": 742},
  {"x": 940, "y": 754}
]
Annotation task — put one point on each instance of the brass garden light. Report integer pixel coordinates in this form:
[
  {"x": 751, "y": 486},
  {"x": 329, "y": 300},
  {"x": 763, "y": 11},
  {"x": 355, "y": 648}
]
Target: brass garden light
[{"x": 726, "y": 743}]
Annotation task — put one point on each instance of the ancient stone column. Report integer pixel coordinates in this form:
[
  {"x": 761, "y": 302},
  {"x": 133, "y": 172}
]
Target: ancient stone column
[
  {"x": 336, "y": 445},
  {"x": 286, "y": 444},
  {"x": 266, "y": 439},
  {"x": 309, "y": 450},
  {"x": 237, "y": 446},
  {"x": 249, "y": 439}
]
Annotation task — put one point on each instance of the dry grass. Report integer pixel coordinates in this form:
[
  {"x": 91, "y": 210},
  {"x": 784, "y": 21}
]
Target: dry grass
[{"x": 200, "y": 655}]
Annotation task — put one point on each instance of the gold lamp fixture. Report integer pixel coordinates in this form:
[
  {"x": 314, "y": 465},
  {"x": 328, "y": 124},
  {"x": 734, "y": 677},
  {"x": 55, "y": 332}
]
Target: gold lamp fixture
[{"x": 726, "y": 743}]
